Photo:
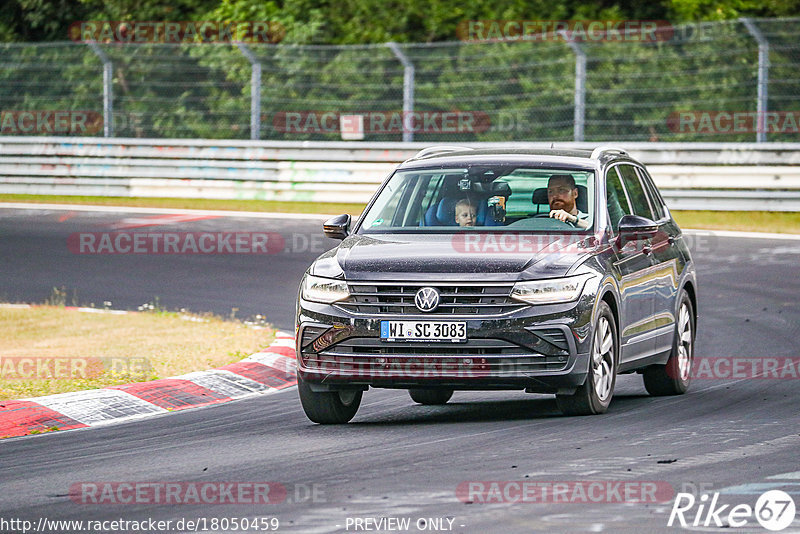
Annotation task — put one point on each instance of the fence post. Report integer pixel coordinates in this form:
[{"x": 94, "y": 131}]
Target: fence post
[
  {"x": 763, "y": 77},
  {"x": 108, "y": 96},
  {"x": 580, "y": 87},
  {"x": 255, "y": 91},
  {"x": 408, "y": 90}
]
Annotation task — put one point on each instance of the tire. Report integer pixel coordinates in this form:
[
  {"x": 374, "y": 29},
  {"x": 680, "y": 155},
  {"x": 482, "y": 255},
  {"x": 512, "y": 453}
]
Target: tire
[
  {"x": 430, "y": 396},
  {"x": 594, "y": 395},
  {"x": 328, "y": 407},
  {"x": 674, "y": 377}
]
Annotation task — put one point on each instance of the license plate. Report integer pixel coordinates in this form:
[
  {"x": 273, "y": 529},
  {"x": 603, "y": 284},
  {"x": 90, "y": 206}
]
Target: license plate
[{"x": 453, "y": 331}]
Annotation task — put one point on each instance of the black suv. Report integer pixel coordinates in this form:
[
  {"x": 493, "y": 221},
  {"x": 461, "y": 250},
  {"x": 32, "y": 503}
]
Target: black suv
[{"x": 549, "y": 271}]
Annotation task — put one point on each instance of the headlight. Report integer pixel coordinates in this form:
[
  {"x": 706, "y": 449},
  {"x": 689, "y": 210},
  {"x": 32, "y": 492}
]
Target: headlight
[
  {"x": 550, "y": 291},
  {"x": 324, "y": 290}
]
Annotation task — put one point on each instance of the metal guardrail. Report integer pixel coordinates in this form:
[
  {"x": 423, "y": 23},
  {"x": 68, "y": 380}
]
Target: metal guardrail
[{"x": 710, "y": 176}]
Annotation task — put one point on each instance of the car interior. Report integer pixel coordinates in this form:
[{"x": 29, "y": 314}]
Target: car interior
[{"x": 503, "y": 197}]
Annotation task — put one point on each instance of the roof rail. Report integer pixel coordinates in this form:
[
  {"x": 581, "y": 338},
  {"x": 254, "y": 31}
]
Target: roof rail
[
  {"x": 602, "y": 149},
  {"x": 442, "y": 149}
]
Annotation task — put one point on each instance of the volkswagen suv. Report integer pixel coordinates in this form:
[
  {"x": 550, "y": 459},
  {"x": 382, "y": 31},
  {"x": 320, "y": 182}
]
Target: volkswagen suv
[{"x": 548, "y": 271}]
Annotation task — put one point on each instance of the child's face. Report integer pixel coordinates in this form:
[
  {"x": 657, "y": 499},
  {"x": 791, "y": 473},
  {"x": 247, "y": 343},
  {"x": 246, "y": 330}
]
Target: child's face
[{"x": 465, "y": 215}]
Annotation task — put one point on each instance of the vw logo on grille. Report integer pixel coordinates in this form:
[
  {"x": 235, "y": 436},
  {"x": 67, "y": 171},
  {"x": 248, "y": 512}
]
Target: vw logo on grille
[{"x": 427, "y": 299}]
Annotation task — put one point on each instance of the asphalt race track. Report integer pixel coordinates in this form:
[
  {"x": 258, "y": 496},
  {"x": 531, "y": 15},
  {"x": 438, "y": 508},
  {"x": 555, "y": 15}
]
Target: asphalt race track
[
  {"x": 399, "y": 461},
  {"x": 35, "y": 257}
]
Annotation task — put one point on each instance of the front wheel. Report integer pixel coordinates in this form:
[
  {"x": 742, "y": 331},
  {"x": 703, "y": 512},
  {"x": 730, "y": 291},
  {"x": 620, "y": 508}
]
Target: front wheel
[
  {"x": 329, "y": 407},
  {"x": 430, "y": 396},
  {"x": 594, "y": 395},
  {"x": 674, "y": 377}
]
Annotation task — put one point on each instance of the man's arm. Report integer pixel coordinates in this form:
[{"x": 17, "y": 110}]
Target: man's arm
[{"x": 563, "y": 216}]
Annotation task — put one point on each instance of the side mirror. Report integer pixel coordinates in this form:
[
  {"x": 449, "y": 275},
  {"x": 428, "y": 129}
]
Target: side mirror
[
  {"x": 636, "y": 228},
  {"x": 337, "y": 227}
]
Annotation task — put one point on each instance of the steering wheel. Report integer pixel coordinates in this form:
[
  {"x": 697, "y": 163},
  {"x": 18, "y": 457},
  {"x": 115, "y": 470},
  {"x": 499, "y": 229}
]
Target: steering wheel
[{"x": 557, "y": 222}]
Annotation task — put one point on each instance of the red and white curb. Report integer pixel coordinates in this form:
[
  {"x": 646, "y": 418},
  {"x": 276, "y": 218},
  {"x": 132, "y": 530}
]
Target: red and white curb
[{"x": 268, "y": 371}]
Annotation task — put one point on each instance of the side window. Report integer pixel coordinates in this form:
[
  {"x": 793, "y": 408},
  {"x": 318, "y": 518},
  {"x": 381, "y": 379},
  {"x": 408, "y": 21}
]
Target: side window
[
  {"x": 615, "y": 198},
  {"x": 633, "y": 185},
  {"x": 655, "y": 197},
  {"x": 397, "y": 189},
  {"x": 432, "y": 191}
]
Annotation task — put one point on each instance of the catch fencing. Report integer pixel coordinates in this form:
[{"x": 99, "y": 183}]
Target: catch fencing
[{"x": 722, "y": 81}]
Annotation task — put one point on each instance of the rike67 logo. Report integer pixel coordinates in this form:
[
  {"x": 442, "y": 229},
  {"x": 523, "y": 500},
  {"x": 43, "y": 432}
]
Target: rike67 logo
[{"x": 774, "y": 510}]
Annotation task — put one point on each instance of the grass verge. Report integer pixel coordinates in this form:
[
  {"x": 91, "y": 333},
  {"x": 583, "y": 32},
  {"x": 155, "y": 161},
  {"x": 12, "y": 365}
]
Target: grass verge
[
  {"x": 274, "y": 206},
  {"x": 52, "y": 349},
  {"x": 742, "y": 221}
]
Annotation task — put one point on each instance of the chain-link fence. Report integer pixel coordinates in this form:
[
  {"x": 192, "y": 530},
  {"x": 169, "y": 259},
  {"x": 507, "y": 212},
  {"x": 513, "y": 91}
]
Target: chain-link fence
[{"x": 721, "y": 81}]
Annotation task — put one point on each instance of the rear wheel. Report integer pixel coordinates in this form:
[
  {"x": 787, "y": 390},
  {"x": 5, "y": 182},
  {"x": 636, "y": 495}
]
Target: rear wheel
[
  {"x": 674, "y": 377},
  {"x": 430, "y": 396},
  {"x": 329, "y": 407},
  {"x": 594, "y": 396}
]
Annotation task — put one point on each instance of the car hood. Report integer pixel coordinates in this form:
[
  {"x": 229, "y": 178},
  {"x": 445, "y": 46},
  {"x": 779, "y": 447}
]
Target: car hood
[{"x": 462, "y": 256}]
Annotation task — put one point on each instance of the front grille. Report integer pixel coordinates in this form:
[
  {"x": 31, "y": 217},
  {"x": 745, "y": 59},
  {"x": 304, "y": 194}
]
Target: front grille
[
  {"x": 477, "y": 358},
  {"x": 356, "y": 346},
  {"x": 377, "y": 298}
]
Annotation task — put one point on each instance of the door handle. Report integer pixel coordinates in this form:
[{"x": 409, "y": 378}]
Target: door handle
[{"x": 647, "y": 249}]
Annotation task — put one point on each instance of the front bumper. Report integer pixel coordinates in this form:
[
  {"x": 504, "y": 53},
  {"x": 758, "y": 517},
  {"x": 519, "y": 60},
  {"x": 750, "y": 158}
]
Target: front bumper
[{"x": 543, "y": 349}]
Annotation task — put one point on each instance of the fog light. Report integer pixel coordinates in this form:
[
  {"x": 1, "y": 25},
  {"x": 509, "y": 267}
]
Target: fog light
[{"x": 467, "y": 361}]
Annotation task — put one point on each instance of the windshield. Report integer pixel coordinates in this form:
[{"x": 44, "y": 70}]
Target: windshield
[{"x": 496, "y": 198}]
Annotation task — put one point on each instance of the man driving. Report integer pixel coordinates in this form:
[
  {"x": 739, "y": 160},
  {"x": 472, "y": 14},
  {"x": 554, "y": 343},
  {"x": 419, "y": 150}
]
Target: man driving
[{"x": 562, "y": 194}]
